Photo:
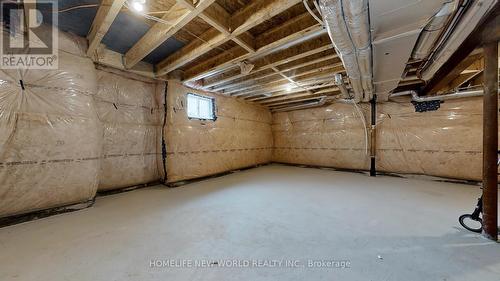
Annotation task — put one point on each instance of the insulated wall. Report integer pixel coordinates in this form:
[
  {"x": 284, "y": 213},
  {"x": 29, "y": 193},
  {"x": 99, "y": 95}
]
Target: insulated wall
[
  {"x": 50, "y": 137},
  {"x": 240, "y": 137},
  {"x": 446, "y": 142},
  {"x": 327, "y": 136},
  {"x": 131, "y": 111}
]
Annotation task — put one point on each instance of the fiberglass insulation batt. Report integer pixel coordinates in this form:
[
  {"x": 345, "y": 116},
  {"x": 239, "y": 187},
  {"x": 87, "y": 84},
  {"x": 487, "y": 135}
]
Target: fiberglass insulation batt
[
  {"x": 445, "y": 143},
  {"x": 130, "y": 112},
  {"x": 240, "y": 137},
  {"x": 50, "y": 137}
]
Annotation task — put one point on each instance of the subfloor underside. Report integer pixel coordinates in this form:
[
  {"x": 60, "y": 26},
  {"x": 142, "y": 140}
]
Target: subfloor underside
[{"x": 382, "y": 228}]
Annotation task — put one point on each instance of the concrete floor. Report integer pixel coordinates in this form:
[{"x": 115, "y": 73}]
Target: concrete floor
[{"x": 386, "y": 228}]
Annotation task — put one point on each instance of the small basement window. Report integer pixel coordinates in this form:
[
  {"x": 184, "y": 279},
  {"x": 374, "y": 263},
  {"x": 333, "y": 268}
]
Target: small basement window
[{"x": 200, "y": 107}]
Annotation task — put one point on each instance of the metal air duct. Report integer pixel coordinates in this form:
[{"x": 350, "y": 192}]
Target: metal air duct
[
  {"x": 348, "y": 25},
  {"x": 433, "y": 30}
]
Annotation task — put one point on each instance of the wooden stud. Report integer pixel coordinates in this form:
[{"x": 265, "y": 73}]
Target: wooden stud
[{"x": 106, "y": 14}]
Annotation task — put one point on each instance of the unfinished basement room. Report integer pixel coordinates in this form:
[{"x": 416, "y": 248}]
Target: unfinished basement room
[{"x": 259, "y": 140}]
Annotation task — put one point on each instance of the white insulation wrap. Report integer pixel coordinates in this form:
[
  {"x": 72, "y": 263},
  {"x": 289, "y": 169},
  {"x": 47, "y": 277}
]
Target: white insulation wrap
[
  {"x": 50, "y": 136},
  {"x": 348, "y": 25},
  {"x": 240, "y": 137},
  {"x": 131, "y": 112},
  {"x": 445, "y": 143}
]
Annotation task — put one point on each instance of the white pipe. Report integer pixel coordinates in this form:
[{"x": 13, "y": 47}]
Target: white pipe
[
  {"x": 456, "y": 95},
  {"x": 312, "y": 13},
  {"x": 316, "y": 5},
  {"x": 341, "y": 85},
  {"x": 306, "y": 37},
  {"x": 313, "y": 104},
  {"x": 363, "y": 121}
]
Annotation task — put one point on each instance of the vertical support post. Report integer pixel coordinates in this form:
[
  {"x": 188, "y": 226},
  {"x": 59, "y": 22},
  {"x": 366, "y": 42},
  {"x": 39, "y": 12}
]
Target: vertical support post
[
  {"x": 373, "y": 134},
  {"x": 490, "y": 141}
]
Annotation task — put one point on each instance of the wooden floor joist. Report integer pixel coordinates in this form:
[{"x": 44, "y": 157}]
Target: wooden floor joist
[
  {"x": 254, "y": 82},
  {"x": 286, "y": 49},
  {"x": 269, "y": 100},
  {"x": 240, "y": 22},
  {"x": 280, "y": 91},
  {"x": 293, "y": 30},
  {"x": 289, "y": 52},
  {"x": 281, "y": 57},
  {"x": 286, "y": 68},
  {"x": 178, "y": 16},
  {"x": 306, "y": 80},
  {"x": 106, "y": 14}
]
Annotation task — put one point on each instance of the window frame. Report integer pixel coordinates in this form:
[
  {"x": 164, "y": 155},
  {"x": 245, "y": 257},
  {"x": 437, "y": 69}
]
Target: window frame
[{"x": 211, "y": 99}]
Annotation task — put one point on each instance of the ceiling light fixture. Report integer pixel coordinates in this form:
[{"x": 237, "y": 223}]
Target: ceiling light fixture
[
  {"x": 138, "y": 5},
  {"x": 289, "y": 88}
]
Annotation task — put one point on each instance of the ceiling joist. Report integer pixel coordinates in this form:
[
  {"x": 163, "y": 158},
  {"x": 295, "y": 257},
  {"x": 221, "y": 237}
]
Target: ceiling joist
[
  {"x": 106, "y": 14},
  {"x": 291, "y": 72},
  {"x": 289, "y": 52},
  {"x": 178, "y": 16},
  {"x": 288, "y": 34},
  {"x": 284, "y": 56},
  {"x": 240, "y": 22}
]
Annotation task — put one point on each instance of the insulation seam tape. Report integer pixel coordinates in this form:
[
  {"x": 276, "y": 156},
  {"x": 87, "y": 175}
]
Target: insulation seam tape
[
  {"x": 383, "y": 149},
  {"x": 51, "y": 161},
  {"x": 220, "y": 150}
]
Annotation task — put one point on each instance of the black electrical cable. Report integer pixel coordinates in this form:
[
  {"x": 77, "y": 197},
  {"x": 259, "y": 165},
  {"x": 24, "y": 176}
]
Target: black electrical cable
[
  {"x": 163, "y": 143},
  {"x": 373, "y": 170}
]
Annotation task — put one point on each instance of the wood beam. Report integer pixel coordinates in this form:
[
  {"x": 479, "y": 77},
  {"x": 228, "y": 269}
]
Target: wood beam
[
  {"x": 241, "y": 21},
  {"x": 489, "y": 24},
  {"x": 287, "y": 55},
  {"x": 301, "y": 99},
  {"x": 490, "y": 142},
  {"x": 219, "y": 18},
  {"x": 323, "y": 86},
  {"x": 106, "y": 14},
  {"x": 454, "y": 73},
  {"x": 246, "y": 41},
  {"x": 178, "y": 16},
  {"x": 302, "y": 26},
  {"x": 281, "y": 96},
  {"x": 257, "y": 12},
  {"x": 317, "y": 83},
  {"x": 294, "y": 71},
  {"x": 106, "y": 57},
  {"x": 318, "y": 68},
  {"x": 298, "y": 96},
  {"x": 286, "y": 67},
  {"x": 292, "y": 29},
  {"x": 306, "y": 80}
]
